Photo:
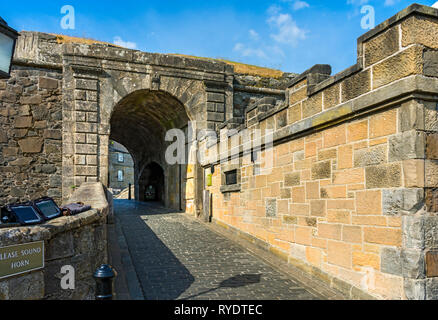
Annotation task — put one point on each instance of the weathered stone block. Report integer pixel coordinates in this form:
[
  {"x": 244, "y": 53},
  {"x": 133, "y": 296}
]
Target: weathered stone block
[
  {"x": 290, "y": 220},
  {"x": 369, "y": 157},
  {"x": 292, "y": 179},
  {"x": 32, "y": 285},
  {"x": 35, "y": 99},
  {"x": 413, "y": 262},
  {"x": 60, "y": 247},
  {"x": 405, "y": 63},
  {"x": 271, "y": 208},
  {"x": 40, "y": 112},
  {"x": 23, "y": 122},
  {"x": 92, "y": 96},
  {"x": 420, "y": 30},
  {"x": 356, "y": 85},
  {"x": 411, "y": 116},
  {"x": 431, "y": 257},
  {"x": 413, "y": 172},
  {"x": 383, "y": 176},
  {"x": 215, "y": 97},
  {"x": 318, "y": 208},
  {"x": 86, "y": 106},
  {"x": 85, "y": 149},
  {"x": 415, "y": 289},
  {"x": 381, "y": 46},
  {"x": 430, "y": 63},
  {"x": 384, "y": 236},
  {"x": 21, "y": 162},
  {"x": 431, "y": 199},
  {"x": 430, "y": 116},
  {"x": 297, "y": 95},
  {"x": 215, "y": 116},
  {"x": 86, "y": 170},
  {"x": 48, "y": 83},
  {"x": 431, "y": 289},
  {"x": 312, "y": 105},
  {"x": 92, "y": 138},
  {"x": 86, "y": 127},
  {"x": 55, "y": 181},
  {"x": 432, "y": 146},
  {"x": 53, "y": 134},
  {"x": 407, "y": 145},
  {"x": 86, "y": 84},
  {"x": 321, "y": 170},
  {"x": 420, "y": 232},
  {"x": 332, "y": 96},
  {"x": 9, "y": 151},
  {"x": 3, "y": 136},
  {"x": 81, "y": 95},
  {"x": 92, "y": 117},
  {"x": 413, "y": 232},
  {"x": 431, "y": 172},
  {"x": 390, "y": 261},
  {"x": 402, "y": 201},
  {"x": 31, "y": 145},
  {"x": 281, "y": 119}
]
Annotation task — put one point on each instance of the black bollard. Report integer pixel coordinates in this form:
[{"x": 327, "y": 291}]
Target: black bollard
[
  {"x": 104, "y": 277},
  {"x": 129, "y": 192}
]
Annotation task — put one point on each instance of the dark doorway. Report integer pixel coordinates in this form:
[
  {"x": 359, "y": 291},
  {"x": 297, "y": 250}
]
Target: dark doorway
[{"x": 151, "y": 183}]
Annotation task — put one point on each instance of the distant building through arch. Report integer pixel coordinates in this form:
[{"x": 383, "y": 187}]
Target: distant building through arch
[{"x": 121, "y": 168}]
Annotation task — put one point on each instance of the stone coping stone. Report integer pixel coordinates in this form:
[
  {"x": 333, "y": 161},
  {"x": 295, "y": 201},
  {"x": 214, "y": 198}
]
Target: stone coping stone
[
  {"x": 383, "y": 97},
  {"x": 90, "y": 193},
  {"x": 413, "y": 9}
]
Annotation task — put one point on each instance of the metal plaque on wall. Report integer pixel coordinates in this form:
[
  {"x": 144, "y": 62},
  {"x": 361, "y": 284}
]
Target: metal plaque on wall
[{"x": 21, "y": 258}]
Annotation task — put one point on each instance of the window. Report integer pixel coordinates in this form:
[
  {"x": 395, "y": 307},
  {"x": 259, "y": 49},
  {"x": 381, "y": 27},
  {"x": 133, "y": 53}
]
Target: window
[
  {"x": 121, "y": 157},
  {"x": 231, "y": 177},
  {"x": 120, "y": 176}
]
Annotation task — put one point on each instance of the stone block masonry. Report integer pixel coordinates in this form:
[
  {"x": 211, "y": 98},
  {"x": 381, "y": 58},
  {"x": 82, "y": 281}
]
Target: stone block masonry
[
  {"x": 79, "y": 241},
  {"x": 30, "y": 134},
  {"x": 351, "y": 195}
]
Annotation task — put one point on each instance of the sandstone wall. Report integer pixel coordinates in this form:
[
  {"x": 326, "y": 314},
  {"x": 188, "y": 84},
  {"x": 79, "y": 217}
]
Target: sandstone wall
[
  {"x": 30, "y": 134},
  {"x": 79, "y": 241},
  {"x": 350, "y": 196}
]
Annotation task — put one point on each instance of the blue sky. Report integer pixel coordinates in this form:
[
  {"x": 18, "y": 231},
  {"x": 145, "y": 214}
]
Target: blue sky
[{"x": 291, "y": 35}]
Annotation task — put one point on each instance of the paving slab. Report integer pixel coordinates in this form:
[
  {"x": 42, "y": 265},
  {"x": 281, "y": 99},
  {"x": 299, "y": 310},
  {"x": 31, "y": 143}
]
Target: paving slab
[{"x": 176, "y": 257}]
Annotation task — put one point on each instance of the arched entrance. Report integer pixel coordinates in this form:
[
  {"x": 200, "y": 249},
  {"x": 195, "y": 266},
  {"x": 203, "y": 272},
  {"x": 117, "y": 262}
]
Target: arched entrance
[
  {"x": 151, "y": 183},
  {"x": 140, "y": 122}
]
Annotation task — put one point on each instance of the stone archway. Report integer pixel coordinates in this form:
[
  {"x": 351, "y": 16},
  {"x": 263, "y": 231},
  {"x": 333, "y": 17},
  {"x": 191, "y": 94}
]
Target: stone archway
[
  {"x": 140, "y": 122},
  {"x": 101, "y": 83}
]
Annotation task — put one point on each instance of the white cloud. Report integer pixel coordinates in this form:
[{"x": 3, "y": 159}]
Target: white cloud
[
  {"x": 357, "y": 2},
  {"x": 126, "y": 44},
  {"x": 435, "y": 5},
  {"x": 287, "y": 30},
  {"x": 254, "y": 35},
  {"x": 298, "y": 5},
  {"x": 249, "y": 52},
  {"x": 389, "y": 3},
  {"x": 273, "y": 10}
]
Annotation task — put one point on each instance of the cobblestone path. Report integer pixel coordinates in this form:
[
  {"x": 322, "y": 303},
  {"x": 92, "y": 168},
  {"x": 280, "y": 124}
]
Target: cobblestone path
[{"x": 178, "y": 258}]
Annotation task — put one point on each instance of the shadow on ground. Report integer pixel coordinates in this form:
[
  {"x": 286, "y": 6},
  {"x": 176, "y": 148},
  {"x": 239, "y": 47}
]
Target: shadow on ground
[
  {"x": 177, "y": 258},
  {"x": 161, "y": 274}
]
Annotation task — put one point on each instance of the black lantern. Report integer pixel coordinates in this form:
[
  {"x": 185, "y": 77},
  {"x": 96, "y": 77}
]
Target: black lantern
[{"x": 8, "y": 38}]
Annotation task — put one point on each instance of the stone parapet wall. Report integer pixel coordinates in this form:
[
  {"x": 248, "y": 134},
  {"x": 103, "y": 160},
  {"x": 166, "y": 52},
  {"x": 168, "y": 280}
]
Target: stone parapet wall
[
  {"x": 79, "y": 241},
  {"x": 350, "y": 195}
]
